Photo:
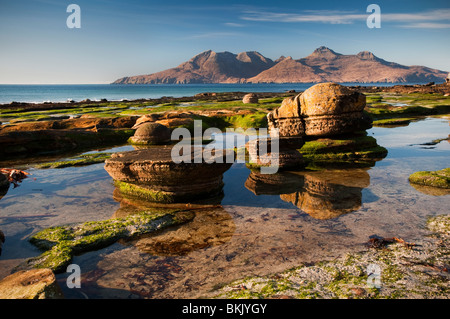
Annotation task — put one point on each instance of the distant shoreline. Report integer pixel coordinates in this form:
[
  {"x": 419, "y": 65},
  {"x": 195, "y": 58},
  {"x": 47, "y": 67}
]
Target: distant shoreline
[{"x": 222, "y": 92}]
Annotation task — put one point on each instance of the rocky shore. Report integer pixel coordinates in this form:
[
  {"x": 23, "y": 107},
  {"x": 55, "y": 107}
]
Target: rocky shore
[{"x": 325, "y": 126}]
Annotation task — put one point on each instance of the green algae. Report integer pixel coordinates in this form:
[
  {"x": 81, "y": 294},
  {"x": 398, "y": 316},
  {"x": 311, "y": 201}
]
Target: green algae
[
  {"x": 387, "y": 105},
  {"x": 353, "y": 149},
  {"x": 254, "y": 120},
  {"x": 440, "y": 178},
  {"x": 136, "y": 191},
  {"x": 81, "y": 160},
  {"x": 61, "y": 243},
  {"x": 393, "y": 121}
]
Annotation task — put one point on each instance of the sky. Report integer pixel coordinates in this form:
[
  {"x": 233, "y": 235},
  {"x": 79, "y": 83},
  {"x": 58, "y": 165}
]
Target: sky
[{"x": 123, "y": 38}]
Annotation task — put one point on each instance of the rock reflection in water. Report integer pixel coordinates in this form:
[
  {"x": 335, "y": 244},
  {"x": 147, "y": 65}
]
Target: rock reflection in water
[
  {"x": 211, "y": 226},
  {"x": 430, "y": 190},
  {"x": 3, "y": 191},
  {"x": 4, "y": 185},
  {"x": 322, "y": 194}
]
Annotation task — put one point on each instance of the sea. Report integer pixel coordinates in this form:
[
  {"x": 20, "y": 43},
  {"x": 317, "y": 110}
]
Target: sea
[{"x": 34, "y": 93}]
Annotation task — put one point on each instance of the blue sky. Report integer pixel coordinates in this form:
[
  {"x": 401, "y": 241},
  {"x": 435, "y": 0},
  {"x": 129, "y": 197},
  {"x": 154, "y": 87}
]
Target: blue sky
[{"x": 120, "y": 38}]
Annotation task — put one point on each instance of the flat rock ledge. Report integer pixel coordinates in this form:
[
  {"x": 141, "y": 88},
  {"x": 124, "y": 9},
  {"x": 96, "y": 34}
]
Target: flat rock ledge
[
  {"x": 396, "y": 270},
  {"x": 59, "y": 244},
  {"x": 440, "y": 179},
  {"x": 31, "y": 284}
]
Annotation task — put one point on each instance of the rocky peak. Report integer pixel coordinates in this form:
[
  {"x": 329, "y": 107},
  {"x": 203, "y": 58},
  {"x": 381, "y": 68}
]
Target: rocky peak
[
  {"x": 324, "y": 52},
  {"x": 250, "y": 56},
  {"x": 204, "y": 54},
  {"x": 366, "y": 55},
  {"x": 283, "y": 58}
]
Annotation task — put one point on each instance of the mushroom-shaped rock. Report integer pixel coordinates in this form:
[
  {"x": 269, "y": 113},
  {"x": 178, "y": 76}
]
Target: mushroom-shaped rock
[
  {"x": 152, "y": 134},
  {"x": 290, "y": 107},
  {"x": 147, "y": 118},
  {"x": 331, "y": 99},
  {"x": 154, "y": 175},
  {"x": 287, "y": 118},
  {"x": 250, "y": 98},
  {"x": 333, "y": 109}
]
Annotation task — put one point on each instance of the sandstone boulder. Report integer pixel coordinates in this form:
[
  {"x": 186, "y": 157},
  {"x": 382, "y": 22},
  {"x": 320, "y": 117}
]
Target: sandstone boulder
[
  {"x": 333, "y": 109},
  {"x": 31, "y": 284},
  {"x": 290, "y": 107},
  {"x": 152, "y": 174},
  {"x": 291, "y": 130},
  {"x": 287, "y": 118},
  {"x": 331, "y": 99},
  {"x": 262, "y": 152},
  {"x": 70, "y": 124},
  {"x": 153, "y": 117},
  {"x": 250, "y": 98},
  {"x": 151, "y": 134},
  {"x": 324, "y": 109}
]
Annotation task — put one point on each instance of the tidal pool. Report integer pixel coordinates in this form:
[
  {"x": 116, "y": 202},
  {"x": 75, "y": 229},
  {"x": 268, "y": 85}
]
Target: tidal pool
[{"x": 265, "y": 225}]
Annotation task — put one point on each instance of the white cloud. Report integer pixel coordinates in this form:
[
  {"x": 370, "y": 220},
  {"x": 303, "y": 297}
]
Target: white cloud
[
  {"x": 332, "y": 17},
  {"x": 436, "y": 19},
  {"x": 235, "y": 25},
  {"x": 427, "y": 25}
]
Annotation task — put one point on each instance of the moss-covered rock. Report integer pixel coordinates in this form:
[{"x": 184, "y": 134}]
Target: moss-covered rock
[
  {"x": 386, "y": 106},
  {"x": 151, "y": 174},
  {"x": 56, "y": 141},
  {"x": 439, "y": 178},
  {"x": 393, "y": 122},
  {"x": 352, "y": 149},
  {"x": 255, "y": 120},
  {"x": 144, "y": 193},
  {"x": 61, "y": 243},
  {"x": 81, "y": 160},
  {"x": 147, "y": 193}
]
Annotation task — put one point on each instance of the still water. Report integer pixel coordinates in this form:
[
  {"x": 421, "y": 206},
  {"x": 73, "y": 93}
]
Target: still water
[
  {"x": 39, "y": 93},
  {"x": 259, "y": 230}
]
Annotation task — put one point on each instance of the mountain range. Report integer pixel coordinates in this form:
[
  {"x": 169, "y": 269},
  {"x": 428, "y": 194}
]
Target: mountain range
[{"x": 323, "y": 65}]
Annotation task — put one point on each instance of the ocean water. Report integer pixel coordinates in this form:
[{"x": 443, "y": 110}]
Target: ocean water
[
  {"x": 79, "y": 92},
  {"x": 252, "y": 233}
]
